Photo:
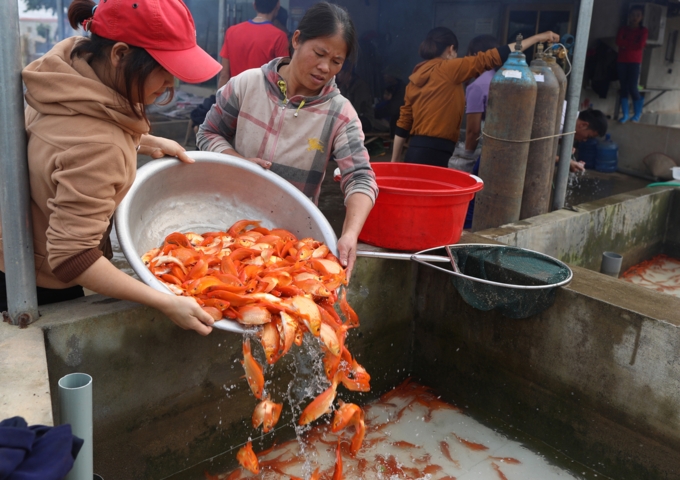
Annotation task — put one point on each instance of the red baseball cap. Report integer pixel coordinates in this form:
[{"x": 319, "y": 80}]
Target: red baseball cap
[{"x": 164, "y": 28}]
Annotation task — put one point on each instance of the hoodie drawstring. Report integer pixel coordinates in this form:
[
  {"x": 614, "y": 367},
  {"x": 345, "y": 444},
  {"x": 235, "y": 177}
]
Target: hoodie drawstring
[
  {"x": 282, "y": 88},
  {"x": 299, "y": 107}
]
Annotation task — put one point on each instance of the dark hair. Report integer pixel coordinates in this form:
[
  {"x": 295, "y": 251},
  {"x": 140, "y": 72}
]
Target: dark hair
[
  {"x": 135, "y": 69},
  {"x": 265, "y": 6},
  {"x": 596, "y": 121},
  {"x": 638, "y": 8},
  {"x": 437, "y": 40},
  {"x": 282, "y": 16},
  {"x": 325, "y": 20},
  {"x": 482, "y": 43}
]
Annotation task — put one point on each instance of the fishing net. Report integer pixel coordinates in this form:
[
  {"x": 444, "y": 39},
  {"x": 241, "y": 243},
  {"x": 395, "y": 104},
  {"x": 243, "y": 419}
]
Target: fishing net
[{"x": 517, "y": 282}]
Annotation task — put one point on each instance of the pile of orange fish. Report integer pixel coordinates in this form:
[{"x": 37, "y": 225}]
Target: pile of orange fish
[{"x": 285, "y": 286}]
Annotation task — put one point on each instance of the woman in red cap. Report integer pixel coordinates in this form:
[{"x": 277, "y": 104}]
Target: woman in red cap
[{"x": 85, "y": 123}]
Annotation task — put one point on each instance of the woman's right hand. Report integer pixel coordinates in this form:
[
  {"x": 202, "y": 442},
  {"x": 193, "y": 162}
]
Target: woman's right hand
[
  {"x": 187, "y": 314},
  {"x": 548, "y": 37},
  {"x": 534, "y": 39}
]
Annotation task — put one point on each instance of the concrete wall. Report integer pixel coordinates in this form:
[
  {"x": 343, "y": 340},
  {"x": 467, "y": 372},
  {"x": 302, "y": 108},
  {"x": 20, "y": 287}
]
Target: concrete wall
[
  {"x": 636, "y": 141},
  {"x": 595, "y": 376},
  {"x": 634, "y": 225}
]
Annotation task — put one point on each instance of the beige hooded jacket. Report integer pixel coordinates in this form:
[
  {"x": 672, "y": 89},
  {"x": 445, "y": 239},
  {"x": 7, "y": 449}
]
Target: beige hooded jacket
[{"x": 82, "y": 160}]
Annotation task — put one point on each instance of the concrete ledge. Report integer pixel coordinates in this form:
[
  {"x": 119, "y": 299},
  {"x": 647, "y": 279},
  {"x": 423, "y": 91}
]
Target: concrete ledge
[
  {"x": 636, "y": 225},
  {"x": 25, "y": 388}
]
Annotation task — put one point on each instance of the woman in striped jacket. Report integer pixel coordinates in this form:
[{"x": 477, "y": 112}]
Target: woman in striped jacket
[{"x": 290, "y": 117}]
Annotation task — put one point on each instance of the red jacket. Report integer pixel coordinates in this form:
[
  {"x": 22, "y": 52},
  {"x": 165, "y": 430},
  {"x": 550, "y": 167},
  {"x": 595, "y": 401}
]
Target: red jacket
[{"x": 631, "y": 42}]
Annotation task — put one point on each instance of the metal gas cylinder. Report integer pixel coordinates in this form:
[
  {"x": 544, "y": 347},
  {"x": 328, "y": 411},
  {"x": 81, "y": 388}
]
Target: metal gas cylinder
[
  {"x": 541, "y": 161},
  {"x": 549, "y": 58},
  {"x": 507, "y": 131}
]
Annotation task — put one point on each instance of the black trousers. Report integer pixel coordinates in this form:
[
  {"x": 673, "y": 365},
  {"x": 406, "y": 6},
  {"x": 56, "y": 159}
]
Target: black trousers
[
  {"x": 45, "y": 295},
  {"x": 629, "y": 75},
  {"x": 427, "y": 156}
]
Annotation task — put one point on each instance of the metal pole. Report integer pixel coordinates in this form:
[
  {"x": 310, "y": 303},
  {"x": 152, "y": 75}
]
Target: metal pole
[
  {"x": 220, "y": 28},
  {"x": 60, "y": 20},
  {"x": 573, "y": 99},
  {"x": 17, "y": 228}
]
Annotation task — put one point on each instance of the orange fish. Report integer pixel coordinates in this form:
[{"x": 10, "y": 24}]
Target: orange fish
[
  {"x": 240, "y": 227},
  {"x": 254, "y": 374},
  {"x": 445, "y": 451},
  {"x": 287, "y": 332},
  {"x": 344, "y": 416},
  {"x": 356, "y": 378},
  {"x": 254, "y": 315},
  {"x": 320, "y": 405},
  {"x": 508, "y": 460},
  {"x": 308, "y": 311},
  {"x": 501, "y": 475},
  {"x": 358, "y": 437},
  {"x": 247, "y": 459},
  {"x": 316, "y": 475},
  {"x": 350, "y": 414},
  {"x": 329, "y": 338},
  {"x": 337, "y": 471},
  {"x": 471, "y": 445},
  {"x": 267, "y": 414},
  {"x": 177, "y": 238},
  {"x": 269, "y": 337},
  {"x": 200, "y": 269},
  {"x": 347, "y": 311},
  {"x": 331, "y": 363},
  {"x": 215, "y": 313}
]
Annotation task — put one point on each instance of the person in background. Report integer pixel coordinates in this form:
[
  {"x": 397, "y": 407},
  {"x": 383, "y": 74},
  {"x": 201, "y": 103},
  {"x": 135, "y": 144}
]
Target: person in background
[
  {"x": 434, "y": 104},
  {"x": 476, "y": 96},
  {"x": 281, "y": 20},
  {"x": 253, "y": 43},
  {"x": 358, "y": 92},
  {"x": 85, "y": 124},
  {"x": 289, "y": 116},
  {"x": 388, "y": 108},
  {"x": 589, "y": 124},
  {"x": 247, "y": 45},
  {"x": 631, "y": 40}
]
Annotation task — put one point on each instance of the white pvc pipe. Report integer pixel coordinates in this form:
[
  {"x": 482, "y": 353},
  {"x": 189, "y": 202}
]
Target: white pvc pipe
[{"x": 75, "y": 403}]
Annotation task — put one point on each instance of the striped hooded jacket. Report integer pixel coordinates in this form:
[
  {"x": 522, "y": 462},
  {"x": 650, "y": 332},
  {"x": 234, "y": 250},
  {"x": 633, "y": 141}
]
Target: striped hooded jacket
[{"x": 298, "y": 135}]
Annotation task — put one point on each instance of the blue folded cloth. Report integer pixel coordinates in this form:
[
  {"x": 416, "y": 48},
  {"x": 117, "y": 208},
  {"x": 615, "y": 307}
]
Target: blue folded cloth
[{"x": 37, "y": 452}]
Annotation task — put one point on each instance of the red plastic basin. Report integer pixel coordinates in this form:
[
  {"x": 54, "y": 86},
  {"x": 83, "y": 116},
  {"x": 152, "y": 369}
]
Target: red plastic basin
[{"x": 419, "y": 206}]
